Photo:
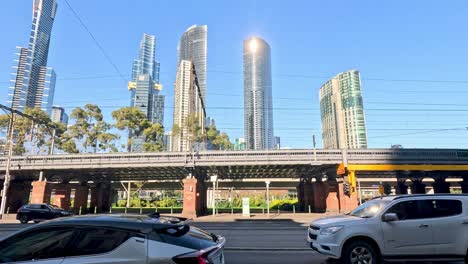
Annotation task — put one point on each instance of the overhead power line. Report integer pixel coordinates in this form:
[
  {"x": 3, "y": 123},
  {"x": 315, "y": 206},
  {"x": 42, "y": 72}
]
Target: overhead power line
[{"x": 95, "y": 40}]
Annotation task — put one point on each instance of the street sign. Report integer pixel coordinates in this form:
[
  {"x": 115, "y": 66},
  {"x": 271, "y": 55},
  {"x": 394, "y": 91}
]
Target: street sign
[{"x": 246, "y": 206}]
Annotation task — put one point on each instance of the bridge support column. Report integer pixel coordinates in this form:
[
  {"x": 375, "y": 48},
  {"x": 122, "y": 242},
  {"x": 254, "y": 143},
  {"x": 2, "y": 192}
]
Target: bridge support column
[
  {"x": 418, "y": 187},
  {"x": 102, "y": 193},
  {"x": 194, "y": 197},
  {"x": 300, "y": 196},
  {"x": 62, "y": 195},
  {"x": 18, "y": 195},
  {"x": 81, "y": 198},
  {"x": 401, "y": 188},
  {"x": 40, "y": 192},
  {"x": 320, "y": 194},
  {"x": 441, "y": 186},
  {"x": 337, "y": 201}
]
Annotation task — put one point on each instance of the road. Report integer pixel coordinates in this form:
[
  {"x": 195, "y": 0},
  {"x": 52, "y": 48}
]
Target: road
[{"x": 252, "y": 242}]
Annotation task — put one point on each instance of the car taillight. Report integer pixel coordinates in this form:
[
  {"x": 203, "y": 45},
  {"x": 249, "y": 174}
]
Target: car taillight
[{"x": 198, "y": 257}]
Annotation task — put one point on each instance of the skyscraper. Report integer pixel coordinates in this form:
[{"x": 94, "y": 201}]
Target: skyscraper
[
  {"x": 188, "y": 105},
  {"x": 193, "y": 47},
  {"x": 34, "y": 83},
  {"x": 146, "y": 63},
  {"x": 148, "y": 94},
  {"x": 158, "y": 109},
  {"x": 258, "y": 105},
  {"x": 342, "y": 111},
  {"x": 58, "y": 115}
]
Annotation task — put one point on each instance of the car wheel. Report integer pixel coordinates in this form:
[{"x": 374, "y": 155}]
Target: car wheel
[
  {"x": 37, "y": 222},
  {"x": 24, "y": 219},
  {"x": 360, "y": 252}
]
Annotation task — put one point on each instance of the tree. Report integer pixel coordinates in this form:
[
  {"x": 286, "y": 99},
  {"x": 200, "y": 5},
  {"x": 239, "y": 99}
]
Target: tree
[
  {"x": 29, "y": 135},
  {"x": 90, "y": 129},
  {"x": 194, "y": 130},
  {"x": 132, "y": 120},
  {"x": 153, "y": 138},
  {"x": 212, "y": 133},
  {"x": 222, "y": 142}
]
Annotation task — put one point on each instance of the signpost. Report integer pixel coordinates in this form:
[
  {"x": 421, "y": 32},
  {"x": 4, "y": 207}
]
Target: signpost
[{"x": 246, "y": 206}]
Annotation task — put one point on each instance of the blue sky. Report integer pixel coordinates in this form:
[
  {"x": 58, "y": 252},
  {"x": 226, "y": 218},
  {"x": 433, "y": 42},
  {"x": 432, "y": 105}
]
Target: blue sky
[{"x": 311, "y": 41}]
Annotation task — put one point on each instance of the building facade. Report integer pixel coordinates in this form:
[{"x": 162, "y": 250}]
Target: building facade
[
  {"x": 193, "y": 47},
  {"x": 258, "y": 105},
  {"x": 277, "y": 143},
  {"x": 34, "y": 83},
  {"x": 158, "y": 109},
  {"x": 144, "y": 87},
  {"x": 58, "y": 115},
  {"x": 239, "y": 144},
  {"x": 189, "y": 108},
  {"x": 342, "y": 112},
  {"x": 146, "y": 62}
]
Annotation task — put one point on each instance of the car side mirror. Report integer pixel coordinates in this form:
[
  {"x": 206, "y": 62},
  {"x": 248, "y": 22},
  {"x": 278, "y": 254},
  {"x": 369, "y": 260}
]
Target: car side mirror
[{"x": 390, "y": 217}]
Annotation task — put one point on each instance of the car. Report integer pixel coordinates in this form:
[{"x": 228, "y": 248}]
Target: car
[
  {"x": 39, "y": 212},
  {"x": 124, "y": 239},
  {"x": 396, "y": 228}
]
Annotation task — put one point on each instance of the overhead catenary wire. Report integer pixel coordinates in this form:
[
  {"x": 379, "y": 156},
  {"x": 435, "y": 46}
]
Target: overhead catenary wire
[{"x": 106, "y": 55}]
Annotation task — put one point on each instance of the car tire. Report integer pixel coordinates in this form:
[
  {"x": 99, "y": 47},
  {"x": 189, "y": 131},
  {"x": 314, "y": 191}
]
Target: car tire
[
  {"x": 24, "y": 219},
  {"x": 359, "y": 251},
  {"x": 36, "y": 222}
]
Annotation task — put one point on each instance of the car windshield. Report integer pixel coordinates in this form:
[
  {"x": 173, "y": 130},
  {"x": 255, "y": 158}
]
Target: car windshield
[
  {"x": 369, "y": 209},
  {"x": 54, "y": 206}
]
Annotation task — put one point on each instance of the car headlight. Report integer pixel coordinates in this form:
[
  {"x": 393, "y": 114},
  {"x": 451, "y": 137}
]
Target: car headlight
[{"x": 330, "y": 230}]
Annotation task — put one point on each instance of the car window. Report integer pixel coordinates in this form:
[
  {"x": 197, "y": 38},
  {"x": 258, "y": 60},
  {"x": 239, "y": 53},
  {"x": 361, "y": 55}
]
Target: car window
[
  {"x": 34, "y": 245},
  {"x": 444, "y": 208},
  {"x": 35, "y": 206},
  {"x": 44, "y": 207},
  {"x": 92, "y": 241},
  {"x": 406, "y": 210},
  {"x": 420, "y": 209},
  {"x": 188, "y": 237}
]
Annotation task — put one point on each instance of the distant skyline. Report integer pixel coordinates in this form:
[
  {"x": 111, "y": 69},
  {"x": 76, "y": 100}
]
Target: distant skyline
[{"x": 412, "y": 59}]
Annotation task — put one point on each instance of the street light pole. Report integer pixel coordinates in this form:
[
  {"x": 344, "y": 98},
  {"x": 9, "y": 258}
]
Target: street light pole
[
  {"x": 6, "y": 182},
  {"x": 268, "y": 197}
]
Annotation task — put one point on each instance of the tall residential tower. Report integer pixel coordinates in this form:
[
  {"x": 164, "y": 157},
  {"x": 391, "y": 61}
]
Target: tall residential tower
[
  {"x": 189, "y": 108},
  {"x": 34, "y": 83},
  {"x": 258, "y": 105},
  {"x": 342, "y": 111},
  {"x": 193, "y": 47}
]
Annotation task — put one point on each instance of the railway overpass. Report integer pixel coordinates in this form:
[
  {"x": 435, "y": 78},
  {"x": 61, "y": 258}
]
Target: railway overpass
[{"x": 315, "y": 171}]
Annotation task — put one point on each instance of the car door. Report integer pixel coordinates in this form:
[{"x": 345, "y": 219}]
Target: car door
[
  {"x": 450, "y": 226},
  {"x": 39, "y": 246},
  {"x": 412, "y": 234},
  {"x": 107, "y": 246}
]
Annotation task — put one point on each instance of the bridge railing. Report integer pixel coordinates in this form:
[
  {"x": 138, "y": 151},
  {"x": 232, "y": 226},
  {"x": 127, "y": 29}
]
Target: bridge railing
[{"x": 300, "y": 156}]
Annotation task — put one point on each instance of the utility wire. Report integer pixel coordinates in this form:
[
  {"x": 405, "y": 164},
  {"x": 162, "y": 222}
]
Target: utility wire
[{"x": 95, "y": 41}]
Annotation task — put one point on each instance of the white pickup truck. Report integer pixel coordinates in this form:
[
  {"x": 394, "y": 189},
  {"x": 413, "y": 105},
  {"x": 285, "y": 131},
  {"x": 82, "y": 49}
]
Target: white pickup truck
[{"x": 396, "y": 228}]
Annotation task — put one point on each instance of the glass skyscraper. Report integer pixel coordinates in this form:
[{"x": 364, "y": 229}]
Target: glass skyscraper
[
  {"x": 342, "y": 112},
  {"x": 34, "y": 83},
  {"x": 258, "y": 105},
  {"x": 193, "y": 47},
  {"x": 146, "y": 67}
]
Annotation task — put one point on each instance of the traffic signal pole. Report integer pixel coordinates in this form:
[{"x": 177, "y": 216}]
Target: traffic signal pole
[{"x": 7, "y": 179}]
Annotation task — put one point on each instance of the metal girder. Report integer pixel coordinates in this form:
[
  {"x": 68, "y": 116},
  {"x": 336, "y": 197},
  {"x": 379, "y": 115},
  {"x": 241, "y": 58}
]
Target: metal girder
[{"x": 406, "y": 167}]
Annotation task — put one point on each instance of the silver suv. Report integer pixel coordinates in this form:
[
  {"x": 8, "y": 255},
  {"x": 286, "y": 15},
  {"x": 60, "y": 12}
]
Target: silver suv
[
  {"x": 396, "y": 228},
  {"x": 106, "y": 239}
]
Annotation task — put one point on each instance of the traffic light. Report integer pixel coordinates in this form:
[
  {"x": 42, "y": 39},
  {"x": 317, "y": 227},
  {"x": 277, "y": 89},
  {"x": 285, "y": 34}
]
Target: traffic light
[{"x": 346, "y": 189}]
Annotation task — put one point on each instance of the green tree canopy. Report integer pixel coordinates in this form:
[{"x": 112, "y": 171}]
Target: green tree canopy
[{"x": 90, "y": 129}]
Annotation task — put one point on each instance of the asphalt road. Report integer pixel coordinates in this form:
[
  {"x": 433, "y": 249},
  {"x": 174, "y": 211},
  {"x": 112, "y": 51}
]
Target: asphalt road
[{"x": 252, "y": 242}]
